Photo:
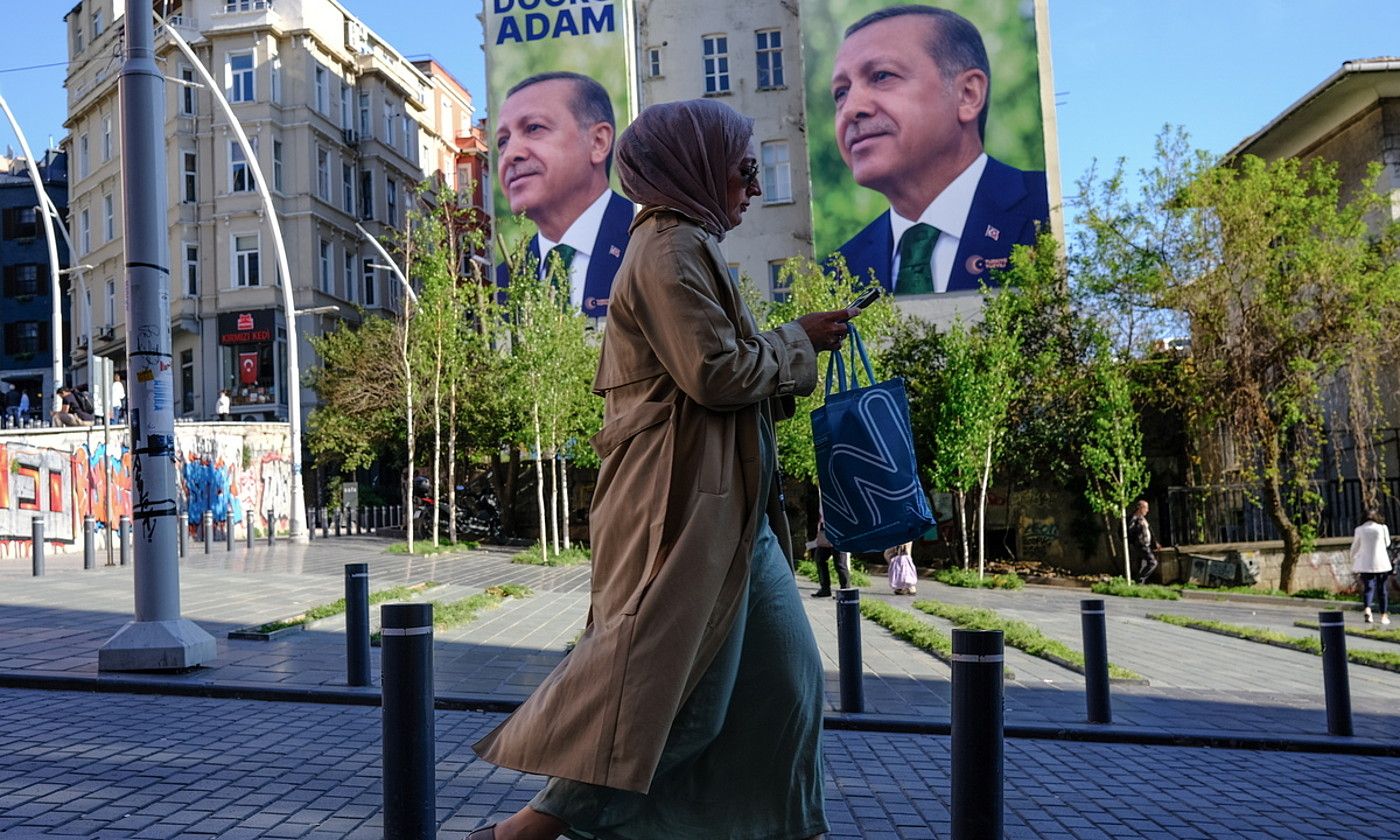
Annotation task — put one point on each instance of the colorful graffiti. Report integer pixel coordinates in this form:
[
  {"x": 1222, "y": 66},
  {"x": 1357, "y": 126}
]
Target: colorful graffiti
[{"x": 64, "y": 476}]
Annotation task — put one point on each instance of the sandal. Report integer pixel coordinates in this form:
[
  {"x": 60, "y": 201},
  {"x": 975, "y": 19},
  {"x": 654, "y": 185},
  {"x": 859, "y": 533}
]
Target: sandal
[{"x": 486, "y": 832}]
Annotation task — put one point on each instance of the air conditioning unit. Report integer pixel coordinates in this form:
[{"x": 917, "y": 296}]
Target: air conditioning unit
[
  {"x": 82, "y": 342},
  {"x": 106, "y": 333},
  {"x": 350, "y": 136}
]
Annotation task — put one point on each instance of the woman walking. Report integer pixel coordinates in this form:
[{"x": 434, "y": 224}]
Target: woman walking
[
  {"x": 691, "y": 706},
  {"x": 1370, "y": 559}
]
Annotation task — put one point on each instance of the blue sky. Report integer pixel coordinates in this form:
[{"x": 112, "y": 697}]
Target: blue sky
[{"x": 1123, "y": 68}]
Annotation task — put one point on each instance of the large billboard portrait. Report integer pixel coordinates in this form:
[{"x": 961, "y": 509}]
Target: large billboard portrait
[
  {"x": 927, "y": 138},
  {"x": 559, "y": 93}
]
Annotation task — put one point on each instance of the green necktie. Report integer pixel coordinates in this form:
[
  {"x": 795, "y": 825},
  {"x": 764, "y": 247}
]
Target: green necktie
[
  {"x": 915, "y": 254},
  {"x": 563, "y": 257}
]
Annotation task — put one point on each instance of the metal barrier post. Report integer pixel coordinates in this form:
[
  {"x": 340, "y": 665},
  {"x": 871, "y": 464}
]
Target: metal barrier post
[
  {"x": 124, "y": 538},
  {"x": 977, "y": 732},
  {"x": 1093, "y": 622},
  {"x": 37, "y": 546},
  {"x": 248, "y": 529},
  {"x": 848, "y": 650},
  {"x": 271, "y": 526},
  {"x": 325, "y": 523},
  {"x": 228, "y": 531},
  {"x": 208, "y": 527},
  {"x": 89, "y": 542},
  {"x": 337, "y": 521},
  {"x": 406, "y": 674},
  {"x": 1336, "y": 687},
  {"x": 357, "y": 624},
  {"x": 310, "y": 524},
  {"x": 183, "y": 521}
]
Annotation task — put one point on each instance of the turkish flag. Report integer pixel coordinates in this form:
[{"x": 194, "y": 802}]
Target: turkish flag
[{"x": 248, "y": 368}]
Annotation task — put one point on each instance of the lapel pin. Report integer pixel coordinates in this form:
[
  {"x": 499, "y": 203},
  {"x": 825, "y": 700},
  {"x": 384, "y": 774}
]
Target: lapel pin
[
  {"x": 614, "y": 251},
  {"x": 993, "y": 233}
]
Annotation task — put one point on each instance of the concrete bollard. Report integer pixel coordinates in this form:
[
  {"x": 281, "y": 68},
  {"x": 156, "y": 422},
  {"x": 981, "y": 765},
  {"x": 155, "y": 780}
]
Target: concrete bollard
[
  {"x": 89, "y": 542},
  {"x": 1093, "y": 622},
  {"x": 1336, "y": 687},
  {"x": 37, "y": 545},
  {"x": 208, "y": 528},
  {"x": 124, "y": 538},
  {"x": 271, "y": 526},
  {"x": 977, "y": 733},
  {"x": 406, "y": 675},
  {"x": 248, "y": 529},
  {"x": 357, "y": 624},
  {"x": 848, "y": 650}
]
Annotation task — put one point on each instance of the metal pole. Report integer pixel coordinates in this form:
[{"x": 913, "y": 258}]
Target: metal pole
[
  {"x": 248, "y": 529},
  {"x": 357, "y": 624},
  {"x": 89, "y": 542},
  {"x": 228, "y": 530},
  {"x": 325, "y": 518},
  {"x": 310, "y": 524},
  {"x": 183, "y": 519},
  {"x": 1093, "y": 622},
  {"x": 271, "y": 526},
  {"x": 406, "y": 675},
  {"x": 977, "y": 735},
  {"x": 158, "y": 639},
  {"x": 124, "y": 538},
  {"x": 338, "y": 511},
  {"x": 848, "y": 650},
  {"x": 207, "y": 526},
  {"x": 1336, "y": 688},
  {"x": 37, "y": 545}
]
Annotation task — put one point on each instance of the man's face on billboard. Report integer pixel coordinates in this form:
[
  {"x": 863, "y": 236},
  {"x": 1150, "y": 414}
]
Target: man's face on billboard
[
  {"x": 545, "y": 157},
  {"x": 897, "y": 117}
]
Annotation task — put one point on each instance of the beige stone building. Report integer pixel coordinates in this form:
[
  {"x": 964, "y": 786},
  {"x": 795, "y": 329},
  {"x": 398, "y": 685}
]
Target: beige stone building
[{"x": 343, "y": 127}]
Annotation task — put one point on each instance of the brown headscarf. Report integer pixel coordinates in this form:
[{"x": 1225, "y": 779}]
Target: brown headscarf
[{"x": 680, "y": 154}]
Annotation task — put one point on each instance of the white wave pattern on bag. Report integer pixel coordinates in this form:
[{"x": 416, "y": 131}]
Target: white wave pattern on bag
[{"x": 870, "y": 463}]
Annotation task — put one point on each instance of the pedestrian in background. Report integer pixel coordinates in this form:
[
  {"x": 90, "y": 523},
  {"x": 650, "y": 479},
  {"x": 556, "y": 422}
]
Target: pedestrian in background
[
  {"x": 822, "y": 554},
  {"x": 1370, "y": 559},
  {"x": 1140, "y": 542},
  {"x": 904, "y": 578},
  {"x": 118, "y": 398},
  {"x": 223, "y": 406}
]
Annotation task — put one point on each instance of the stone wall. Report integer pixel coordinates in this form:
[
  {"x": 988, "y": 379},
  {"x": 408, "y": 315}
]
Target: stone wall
[{"x": 63, "y": 475}]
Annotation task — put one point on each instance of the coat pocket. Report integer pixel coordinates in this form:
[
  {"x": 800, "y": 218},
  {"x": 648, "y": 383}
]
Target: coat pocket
[
  {"x": 642, "y": 417},
  {"x": 717, "y": 456}
]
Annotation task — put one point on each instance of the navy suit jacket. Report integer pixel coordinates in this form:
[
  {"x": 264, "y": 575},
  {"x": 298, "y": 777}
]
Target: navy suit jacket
[
  {"x": 1006, "y": 209},
  {"x": 608, "y": 250}
]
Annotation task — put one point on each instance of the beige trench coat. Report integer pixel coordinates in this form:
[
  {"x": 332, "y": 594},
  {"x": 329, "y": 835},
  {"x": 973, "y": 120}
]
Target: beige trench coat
[{"x": 687, "y": 379}]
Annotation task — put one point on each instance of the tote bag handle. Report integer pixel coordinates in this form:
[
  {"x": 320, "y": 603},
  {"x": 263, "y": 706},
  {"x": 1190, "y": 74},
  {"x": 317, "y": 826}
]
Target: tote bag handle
[{"x": 857, "y": 347}]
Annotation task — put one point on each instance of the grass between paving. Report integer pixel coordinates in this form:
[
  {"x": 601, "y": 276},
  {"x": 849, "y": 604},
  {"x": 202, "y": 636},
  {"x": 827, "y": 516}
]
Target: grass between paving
[
  {"x": 449, "y": 614},
  {"x": 393, "y": 593},
  {"x": 907, "y": 626},
  {"x": 807, "y": 567},
  {"x": 1127, "y": 589},
  {"x": 575, "y": 556},
  {"x": 969, "y": 579},
  {"x": 427, "y": 547},
  {"x": 1316, "y": 594},
  {"x": 1363, "y": 632},
  {"x": 1307, "y": 644},
  {"x": 1018, "y": 634}
]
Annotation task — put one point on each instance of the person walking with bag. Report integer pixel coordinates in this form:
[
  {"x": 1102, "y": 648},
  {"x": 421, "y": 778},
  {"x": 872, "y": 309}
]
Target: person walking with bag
[
  {"x": 824, "y": 555},
  {"x": 1370, "y": 559},
  {"x": 904, "y": 578},
  {"x": 691, "y": 706}
]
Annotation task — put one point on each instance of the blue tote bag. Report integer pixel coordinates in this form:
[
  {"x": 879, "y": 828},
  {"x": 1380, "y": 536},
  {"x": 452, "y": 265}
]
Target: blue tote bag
[{"x": 871, "y": 495}]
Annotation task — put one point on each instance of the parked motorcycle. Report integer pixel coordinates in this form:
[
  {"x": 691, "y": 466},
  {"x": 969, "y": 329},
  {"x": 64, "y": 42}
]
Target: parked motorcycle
[{"x": 477, "y": 517}]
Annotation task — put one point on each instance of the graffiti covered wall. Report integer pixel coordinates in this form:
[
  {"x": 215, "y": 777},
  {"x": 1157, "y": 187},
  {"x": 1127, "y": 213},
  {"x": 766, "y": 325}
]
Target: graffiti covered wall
[{"x": 64, "y": 475}]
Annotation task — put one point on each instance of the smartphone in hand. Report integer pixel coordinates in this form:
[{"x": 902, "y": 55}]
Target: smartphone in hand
[{"x": 866, "y": 298}]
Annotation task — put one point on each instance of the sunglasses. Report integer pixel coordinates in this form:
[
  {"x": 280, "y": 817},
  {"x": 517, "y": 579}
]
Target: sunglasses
[{"x": 748, "y": 170}]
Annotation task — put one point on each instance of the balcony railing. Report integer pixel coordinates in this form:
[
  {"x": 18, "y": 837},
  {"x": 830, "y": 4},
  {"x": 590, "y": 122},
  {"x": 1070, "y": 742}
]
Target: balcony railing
[{"x": 1234, "y": 513}]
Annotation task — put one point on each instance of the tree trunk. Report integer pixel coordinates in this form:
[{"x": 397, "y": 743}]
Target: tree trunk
[
  {"x": 452, "y": 463},
  {"x": 1292, "y": 539},
  {"x": 409, "y": 502},
  {"x": 960, "y": 508},
  {"x": 1127, "y": 558},
  {"x": 504, "y": 475},
  {"x": 554, "y": 501},
  {"x": 437, "y": 438},
  {"x": 564, "y": 496},
  {"x": 982, "y": 515},
  {"x": 539, "y": 484}
]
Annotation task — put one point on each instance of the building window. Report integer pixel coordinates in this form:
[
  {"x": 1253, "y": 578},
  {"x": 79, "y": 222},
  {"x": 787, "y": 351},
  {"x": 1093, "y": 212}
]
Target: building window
[
  {"x": 191, "y": 269},
  {"x": 777, "y": 172},
  {"x": 97, "y": 24},
  {"x": 187, "y": 83},
  {"x": 190, "y": 177},
  {"x": 276, "y": 76},
  {"x": 323, "y": 173},
  {"x": 388, "y": 124},
  {"x": 239, "y": 77},
  {"x": 364, "y": 115},
  {"x": 22, "y": 280},
  {"x": 277, "y": 165},
  {"x": 370, "y": 282},
  {"x": 28, "y": 338},
  {"x": 111, "y": 301},
  {"x": 108, "y": 222},
  {"x": 320, "y": 74},
  {"x": 769, "y": 45},
  {"x": 716, "y": 54},
  {"x": 21, "y": 222},
  {"x": 77, "y": 34},
  {"x": 84, "y": 160},
  {"x": 245, "y": 260},
  {"x": 85, "y": 232},
  {"x": 249, "y": 373},
  {"x": 391, "y": 199},
  {"x": 366, "y": 195},
  {"x": 347, "y": 187},
  {"x": 187, "y": 381},
  {"x": 347, "y": 115},
  {"x": 240, "y": 176},
  {"x": 654, "y": 62},
  {"x": 327, "y": 284},
  {"x": 107, "y": 138},
  {"x": 350, "y": 275},
  {"x": 777, "y": 281}
]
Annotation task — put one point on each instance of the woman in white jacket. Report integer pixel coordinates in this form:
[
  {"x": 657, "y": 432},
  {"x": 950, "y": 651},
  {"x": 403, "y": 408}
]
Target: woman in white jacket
[{"x": 1370, "y": 559}]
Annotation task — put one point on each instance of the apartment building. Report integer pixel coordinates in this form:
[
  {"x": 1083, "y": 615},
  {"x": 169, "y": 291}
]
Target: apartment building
[
  {"x": 343, "y": 127},
  {"x": 26, "y": 355},
  {"x": 749, "y": 56}
]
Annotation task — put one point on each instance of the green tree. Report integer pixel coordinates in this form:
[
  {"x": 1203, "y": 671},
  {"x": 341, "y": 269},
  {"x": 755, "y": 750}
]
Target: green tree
[{"x": 1112, "y": 450}]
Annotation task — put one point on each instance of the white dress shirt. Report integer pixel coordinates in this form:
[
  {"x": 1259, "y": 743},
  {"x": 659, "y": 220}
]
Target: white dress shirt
[
  {"x": 1368, "y": 548},
  {"x": 948, "y": 213},
  {"x": 582, "y": 236}
]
